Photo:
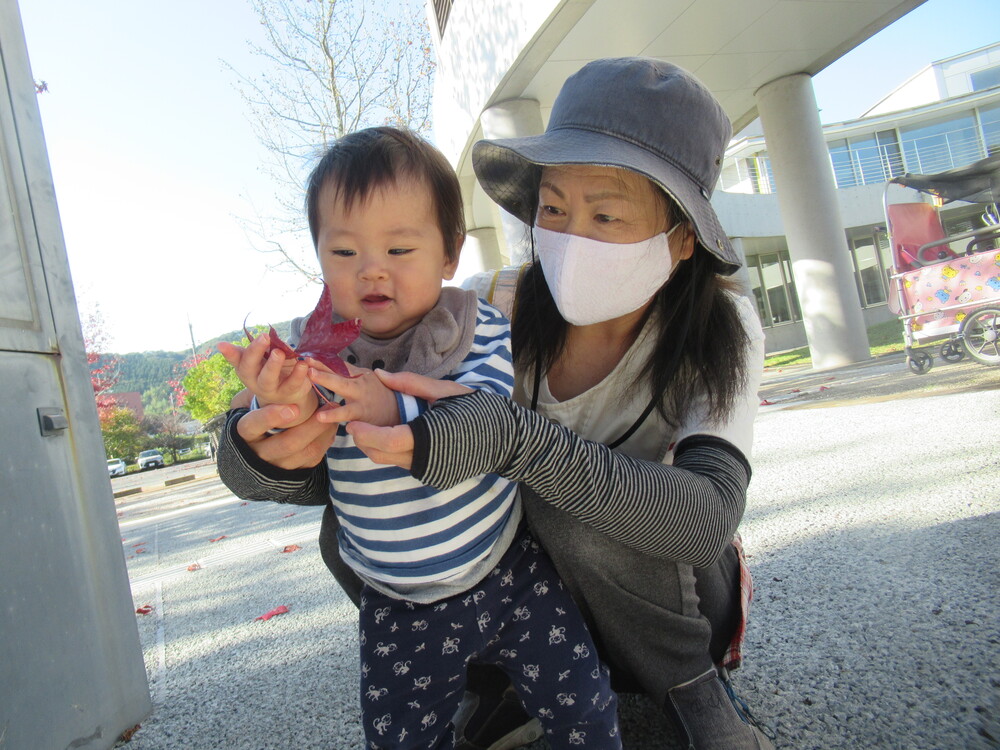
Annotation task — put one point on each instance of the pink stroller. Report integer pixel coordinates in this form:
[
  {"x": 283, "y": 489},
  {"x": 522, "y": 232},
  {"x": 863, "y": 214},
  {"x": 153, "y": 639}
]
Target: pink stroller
[{"x": 947, "y": 286}]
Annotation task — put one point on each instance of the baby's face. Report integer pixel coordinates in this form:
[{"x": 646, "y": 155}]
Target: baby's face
[{"x": 384, "y": 260}]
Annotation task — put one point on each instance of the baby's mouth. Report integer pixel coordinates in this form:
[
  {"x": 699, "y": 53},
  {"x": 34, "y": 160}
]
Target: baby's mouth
[{"x": 375, "y": 299}]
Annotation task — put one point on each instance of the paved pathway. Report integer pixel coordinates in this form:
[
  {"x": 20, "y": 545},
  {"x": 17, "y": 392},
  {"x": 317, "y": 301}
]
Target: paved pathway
[{"x": 871, "y": 529}]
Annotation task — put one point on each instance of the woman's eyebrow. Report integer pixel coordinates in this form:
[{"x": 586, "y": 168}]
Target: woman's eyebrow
[{"x": 589, "y": 198}]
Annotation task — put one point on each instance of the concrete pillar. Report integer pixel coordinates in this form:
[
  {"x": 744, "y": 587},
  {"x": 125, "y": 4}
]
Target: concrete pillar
[
  {"x": 817, "y": 246},
  {"x": 512, "y": 119},
  {"x": 481, "y": 252}
]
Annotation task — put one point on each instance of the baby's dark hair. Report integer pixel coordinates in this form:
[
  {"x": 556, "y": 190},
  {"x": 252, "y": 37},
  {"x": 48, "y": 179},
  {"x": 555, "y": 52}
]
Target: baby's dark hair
[{"x": 366, "y": 160}]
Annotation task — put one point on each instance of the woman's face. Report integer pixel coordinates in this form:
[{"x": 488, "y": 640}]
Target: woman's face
[{"x": 606, "y": 204}]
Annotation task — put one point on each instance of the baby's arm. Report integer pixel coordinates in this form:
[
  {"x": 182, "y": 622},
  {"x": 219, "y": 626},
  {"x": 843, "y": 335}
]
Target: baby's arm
[{"x": 273, "y": 379}]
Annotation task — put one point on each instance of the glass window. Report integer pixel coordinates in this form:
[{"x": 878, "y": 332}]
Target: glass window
[
  {"x": 989, "y": 118},
  {"x": 985, "y": 79},
  {"x": 843, "y": 168},
  {"x": 756, "y": 287},
  {"x": 935, "y": 147},
  {"x": 868, "y": 271},
  {"x": 775, "y": 290}
]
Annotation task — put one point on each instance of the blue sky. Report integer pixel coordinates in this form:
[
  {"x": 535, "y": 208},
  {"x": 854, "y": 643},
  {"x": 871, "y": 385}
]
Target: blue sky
[{"x": 155, "y": 163}]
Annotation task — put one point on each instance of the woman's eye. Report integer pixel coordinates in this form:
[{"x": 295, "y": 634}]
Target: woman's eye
[
  {"x": 604, "y": 218},
  {"x": 549, "y": 211}
]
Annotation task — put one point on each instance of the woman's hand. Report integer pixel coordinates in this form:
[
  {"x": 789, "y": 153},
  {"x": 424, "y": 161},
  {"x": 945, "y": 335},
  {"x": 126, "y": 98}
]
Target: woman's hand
[
  {"x": 428, "y": 389},
  {"x": 384, "y": 445},
  {"x": 300, "y": 447}
]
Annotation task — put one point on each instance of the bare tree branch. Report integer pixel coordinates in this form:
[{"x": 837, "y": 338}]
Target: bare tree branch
[{"x": 333, "y": 66}]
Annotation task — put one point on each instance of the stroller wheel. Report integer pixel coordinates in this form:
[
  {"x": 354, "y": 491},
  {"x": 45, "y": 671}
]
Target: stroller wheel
[
  {"x": 919, "y": 362},
  {"x": 951, "y": 351},
  {"x": 981, "y": 335}
]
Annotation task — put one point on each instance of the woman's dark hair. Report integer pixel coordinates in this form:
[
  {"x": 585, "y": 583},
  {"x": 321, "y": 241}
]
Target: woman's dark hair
[
  {"x": 369, "y": 159},
  {"x": 701, "y": 345}
]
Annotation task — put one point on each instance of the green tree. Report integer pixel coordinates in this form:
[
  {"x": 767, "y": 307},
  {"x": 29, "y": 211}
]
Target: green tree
[
  {"x": 121, "y": 433},
  {"x": 210, "y": 386}
]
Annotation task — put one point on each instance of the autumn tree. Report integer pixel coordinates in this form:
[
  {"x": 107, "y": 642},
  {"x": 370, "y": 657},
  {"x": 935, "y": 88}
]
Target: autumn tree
[
  {"x": 121, "y": 432},
  {"x": 104, "y": 366},
  {"x": 209, "y": 387},
  {"x": 333, "y": 67}
]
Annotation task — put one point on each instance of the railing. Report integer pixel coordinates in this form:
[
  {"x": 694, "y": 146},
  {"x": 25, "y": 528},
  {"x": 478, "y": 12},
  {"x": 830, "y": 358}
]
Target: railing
[{"x": 867, "y": 165}]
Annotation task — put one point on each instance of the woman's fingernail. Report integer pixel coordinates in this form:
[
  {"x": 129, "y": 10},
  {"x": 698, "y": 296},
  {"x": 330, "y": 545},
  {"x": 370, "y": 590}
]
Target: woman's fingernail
[{"x": 287, "y": 413}]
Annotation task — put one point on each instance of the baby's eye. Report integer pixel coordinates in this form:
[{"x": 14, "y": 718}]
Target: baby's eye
[
  {"x": 400, "y": 250},
  {"x": 342, "y": 253}
]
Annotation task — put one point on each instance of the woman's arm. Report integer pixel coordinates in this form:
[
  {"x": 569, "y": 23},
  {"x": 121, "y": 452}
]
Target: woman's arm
[
  {"x": 286, "y": 467},
  {"x": 688, "y": 511}
]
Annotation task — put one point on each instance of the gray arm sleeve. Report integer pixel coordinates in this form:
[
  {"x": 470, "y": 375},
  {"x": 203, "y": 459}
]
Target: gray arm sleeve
[
  {"x": 686, "y": 512},
  {"x": 251, "y": 478}
]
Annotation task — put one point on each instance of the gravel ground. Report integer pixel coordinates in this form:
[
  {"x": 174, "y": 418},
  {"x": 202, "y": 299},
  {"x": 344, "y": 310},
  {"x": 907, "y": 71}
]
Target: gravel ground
[{"x": 871, "y": 532}]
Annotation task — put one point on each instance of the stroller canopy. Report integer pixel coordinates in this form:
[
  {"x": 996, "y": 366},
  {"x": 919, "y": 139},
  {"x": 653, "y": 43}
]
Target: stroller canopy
[{"x": 977, "y": 183}]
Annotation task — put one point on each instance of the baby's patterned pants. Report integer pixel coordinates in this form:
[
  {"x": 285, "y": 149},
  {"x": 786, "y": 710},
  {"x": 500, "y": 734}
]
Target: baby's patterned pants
[{"x": 414, "y": 658}]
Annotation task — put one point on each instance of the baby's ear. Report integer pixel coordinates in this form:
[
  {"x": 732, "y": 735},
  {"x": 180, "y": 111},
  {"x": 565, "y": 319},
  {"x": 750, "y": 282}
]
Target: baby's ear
[{"x": 451, "y": 263}]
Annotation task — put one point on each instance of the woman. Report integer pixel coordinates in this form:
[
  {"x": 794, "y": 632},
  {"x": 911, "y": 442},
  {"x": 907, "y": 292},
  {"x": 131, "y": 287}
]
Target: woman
[{"x": 637, "y": 369}]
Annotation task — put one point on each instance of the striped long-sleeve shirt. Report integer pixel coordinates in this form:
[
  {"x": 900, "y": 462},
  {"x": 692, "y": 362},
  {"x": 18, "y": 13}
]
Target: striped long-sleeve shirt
[{"x": 400, "y": 534}]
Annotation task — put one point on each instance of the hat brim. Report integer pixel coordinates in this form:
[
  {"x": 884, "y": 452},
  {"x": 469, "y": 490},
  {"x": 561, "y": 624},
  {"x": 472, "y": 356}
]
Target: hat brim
[{"x": 510, "y": 170}]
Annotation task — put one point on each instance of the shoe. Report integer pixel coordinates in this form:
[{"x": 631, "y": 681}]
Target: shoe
[
  {"x": 714, "y": 718},
  {"x": 504, "y": 725}
]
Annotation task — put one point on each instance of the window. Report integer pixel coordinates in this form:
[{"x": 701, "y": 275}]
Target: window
[
  {"x": 985, "y": 79},
  {"x": 759, "y": 167},
  {"x": 866, "y": 160},
  {"x": 771, "y": 282},
  {"x": 937, "y": 146},
  {"x": 869, "y": 270},
  {"x": 989, "y": 119},
  {"x": 843, "y": 168}
]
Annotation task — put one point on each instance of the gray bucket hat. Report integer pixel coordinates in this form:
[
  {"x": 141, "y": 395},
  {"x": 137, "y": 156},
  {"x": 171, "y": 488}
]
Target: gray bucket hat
[{"x": 641, "y": 114}]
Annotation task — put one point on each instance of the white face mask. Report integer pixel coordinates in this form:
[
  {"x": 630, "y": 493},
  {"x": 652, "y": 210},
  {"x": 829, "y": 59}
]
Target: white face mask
[{"x": 593, "y": 281}]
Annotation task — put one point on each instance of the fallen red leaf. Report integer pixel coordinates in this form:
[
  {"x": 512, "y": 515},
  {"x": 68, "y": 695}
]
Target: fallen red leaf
[
  {"x": 138, "y": 544},
  {"x": 140, "y": 550},
  {"x": 194, "y": 566},
  {"x": 795, "y": 390},
  {"x": 823, "y": 388},
  {"x": 282, "y": 610},
  {"x": 244, "y": 503},
  {"x": 765, "y": 402},
  {"x": 292, "y": 548},
  {"x": 217, "y": 538},
  {"x": 288, "y": 515},
  {"x": 322, "y": 339},
  {"x": 145, "y": 609}
]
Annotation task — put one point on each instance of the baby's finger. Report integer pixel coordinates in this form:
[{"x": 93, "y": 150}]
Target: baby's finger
[
  {"x": 333, "y": 382},
  {"x": 231, "y": 352}
]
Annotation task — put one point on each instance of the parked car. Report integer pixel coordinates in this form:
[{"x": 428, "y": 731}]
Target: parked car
[
  {"x": 151, "y": 459},
  {"x": 116, "y": 467}
]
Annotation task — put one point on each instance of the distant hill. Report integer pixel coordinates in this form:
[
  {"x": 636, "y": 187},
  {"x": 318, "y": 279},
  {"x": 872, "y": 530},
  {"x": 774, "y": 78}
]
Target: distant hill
[{"x": 148, "y": 372}]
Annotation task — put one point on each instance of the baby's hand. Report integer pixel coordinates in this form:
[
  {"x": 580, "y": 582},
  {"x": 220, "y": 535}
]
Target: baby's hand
[
  {"x": 273, "y": 379},
  {"x": 365, "y": 397}
]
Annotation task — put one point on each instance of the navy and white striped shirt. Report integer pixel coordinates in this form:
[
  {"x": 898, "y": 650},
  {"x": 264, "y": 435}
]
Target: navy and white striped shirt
[{"x": 399, "y": 532}]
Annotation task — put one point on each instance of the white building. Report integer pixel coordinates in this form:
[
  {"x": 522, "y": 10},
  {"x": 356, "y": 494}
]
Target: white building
[
  {"x": 502, "y": 62},
  {"x": 947, "y": 115}
]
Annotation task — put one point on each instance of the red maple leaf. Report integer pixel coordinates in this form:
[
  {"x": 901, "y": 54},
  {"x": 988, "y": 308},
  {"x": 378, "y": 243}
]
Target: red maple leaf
[
  {"x": 282, "y": 610},
  {"x": 322, "y": 339},
  {"x": 145, "y": 609},
  {"x": 291, "y": 548}
]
